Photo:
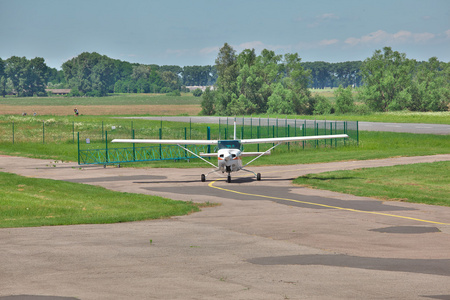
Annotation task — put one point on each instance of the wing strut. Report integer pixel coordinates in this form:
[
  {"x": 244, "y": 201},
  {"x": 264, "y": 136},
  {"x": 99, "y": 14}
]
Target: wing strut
[
  {"x": 197, "y": 155},
  {"x": 260, "y": 155}
]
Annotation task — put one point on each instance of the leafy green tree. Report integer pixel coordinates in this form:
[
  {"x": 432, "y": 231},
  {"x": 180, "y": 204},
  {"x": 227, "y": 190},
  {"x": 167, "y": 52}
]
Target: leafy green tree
[
  {"x": 36, "y": 76},
  {"x": 322, "y": 105},
  {"x": 208, "y": 102},
  {"x": 141, "y": 72},
  {"x": 430, "y": 90},
  {"x": 90, "y": 73},
  {"x": 227, "y": 71},
  {"x": 280, "y": 102},
  {"x": 16, "y": 72},
  {"x": 170, "y": 79},
  {"x": 320, "y": 72},
  {"x": 387, "y": 75},
  {"x": 197, "y": 92},
  {"x": 241, "y": 106},
  {"x": 2, "y": 78},
  {"x": 296, "y": 81},
  {"x": 344, "y": 100},
  {"x": 28, "y": 77}
]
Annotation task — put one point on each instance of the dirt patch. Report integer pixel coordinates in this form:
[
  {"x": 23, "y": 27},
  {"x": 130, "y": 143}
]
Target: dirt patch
[{"x": 165, "y": 110}]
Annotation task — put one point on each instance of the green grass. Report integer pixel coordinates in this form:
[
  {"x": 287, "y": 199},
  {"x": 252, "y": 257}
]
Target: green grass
[
  {"x": 114, "y": 99},
  {"x": 419, "y": 183},
  {"x": 388, "y": 117},
  {"x": 59, "y": 144},
  {"x": 28, "y": 202}
]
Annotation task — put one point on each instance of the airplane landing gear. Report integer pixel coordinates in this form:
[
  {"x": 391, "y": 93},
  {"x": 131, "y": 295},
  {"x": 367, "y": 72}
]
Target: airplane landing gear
[
  {"x": 258, "y": 176},
  {"x": 203, "y": 177},
  {"x": 229, "y": 178}
]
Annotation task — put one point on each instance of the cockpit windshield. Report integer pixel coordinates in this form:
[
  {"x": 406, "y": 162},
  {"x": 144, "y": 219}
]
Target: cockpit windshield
[{"x": 229, "y": 145}]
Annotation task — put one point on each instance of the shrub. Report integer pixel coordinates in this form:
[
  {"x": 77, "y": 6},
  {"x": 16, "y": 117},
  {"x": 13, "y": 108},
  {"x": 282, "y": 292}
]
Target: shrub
[{"x": 197, "y": 92}]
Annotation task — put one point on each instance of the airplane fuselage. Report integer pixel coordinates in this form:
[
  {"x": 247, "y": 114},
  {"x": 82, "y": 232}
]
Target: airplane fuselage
[
  {"x": 229, "y": 156},
  {"x": 229, "y": 160}
]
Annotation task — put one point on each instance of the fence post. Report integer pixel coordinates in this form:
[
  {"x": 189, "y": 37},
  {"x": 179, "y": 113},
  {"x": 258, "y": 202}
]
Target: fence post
[
  {"x": 289, "y": 144},
  {"x": 208, "y": 137},
  {"x": 251, "y": 126},
  {"x": 43, "y": 132},
  {"x": 78, "y": 137},
  {"x": 102, "y": 131},
  {"x": 134, "y": 146},
  {"x": 357, "y": 133},
  {"x": 73, "y": 132},
  {"x": 106, "y": 148},
  {"x": 345, "y": 131},
  {"x": 277, "y": 127},
  {"x": 304, "y": 133},
  {"x": 160, "y": 147},
  {"x": 273, "y": 132},
  {"x": 13, "y": 131},
  {"x": 257, "y": 133},
  {"x": 185, "y": 137}
]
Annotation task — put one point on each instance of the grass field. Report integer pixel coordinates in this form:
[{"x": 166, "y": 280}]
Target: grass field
[
  {"x": 418, "y": 183},
  {"x": 186, "y": 104},
  {"x": 28, "y": 202}
]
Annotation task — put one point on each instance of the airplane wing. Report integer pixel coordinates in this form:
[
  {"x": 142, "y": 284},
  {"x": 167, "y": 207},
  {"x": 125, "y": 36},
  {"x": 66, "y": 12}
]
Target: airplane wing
[
  {"x": 167, "y": 142},
  {"x": 245, "y": 141},
  {"x": 292, "y": 139}
]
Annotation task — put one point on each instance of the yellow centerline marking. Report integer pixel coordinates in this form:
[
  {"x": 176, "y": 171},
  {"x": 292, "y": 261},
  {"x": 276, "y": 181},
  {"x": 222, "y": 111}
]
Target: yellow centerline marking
[{"x": 211, "y": 184}]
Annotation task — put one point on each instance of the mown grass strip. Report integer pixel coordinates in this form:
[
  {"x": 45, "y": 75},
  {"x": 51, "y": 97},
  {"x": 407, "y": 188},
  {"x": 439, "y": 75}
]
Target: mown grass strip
[
  {"x": 419, "y": 183},
  {"x": 26, "y": 202}
]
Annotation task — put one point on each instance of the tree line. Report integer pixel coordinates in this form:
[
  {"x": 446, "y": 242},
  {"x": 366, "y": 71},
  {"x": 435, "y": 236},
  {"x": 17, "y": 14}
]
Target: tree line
[
  {"x": 92, "y": 74},
  {"x": 268, "y": 83},
  {"x": 247, "y": 83}
]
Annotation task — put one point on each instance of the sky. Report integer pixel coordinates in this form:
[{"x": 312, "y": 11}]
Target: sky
[{"x": 187, "y": 33}]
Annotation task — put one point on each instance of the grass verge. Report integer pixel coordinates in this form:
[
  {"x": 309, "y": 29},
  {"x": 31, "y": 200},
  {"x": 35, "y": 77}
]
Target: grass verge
[
  {"x": 373, "y": 145},
  {"x": 26, "y": 202},
  {"x": 419, "y": 183}
]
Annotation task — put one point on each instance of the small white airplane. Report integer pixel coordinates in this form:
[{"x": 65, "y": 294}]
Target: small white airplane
[{"x": 229, "y": 151}]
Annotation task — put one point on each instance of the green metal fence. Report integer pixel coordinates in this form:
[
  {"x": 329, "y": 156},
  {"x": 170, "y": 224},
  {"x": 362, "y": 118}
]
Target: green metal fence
[
  {"x": 94, "y": 136},
  {"x": 247, "y": 128}
]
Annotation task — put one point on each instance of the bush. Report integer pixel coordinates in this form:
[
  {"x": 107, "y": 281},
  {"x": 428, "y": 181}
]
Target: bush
[
  {"x": 322, "y": 105},
  {"x": 344, "y": 100},
  {"x": 197, "y": 93},
  {"x": 174, "y": 93},
  {"x": 165, "y": 90}
]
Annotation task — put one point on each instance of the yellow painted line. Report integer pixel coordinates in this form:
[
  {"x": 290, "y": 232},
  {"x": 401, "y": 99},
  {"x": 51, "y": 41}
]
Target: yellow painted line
[{"x": 211, "y": 184}]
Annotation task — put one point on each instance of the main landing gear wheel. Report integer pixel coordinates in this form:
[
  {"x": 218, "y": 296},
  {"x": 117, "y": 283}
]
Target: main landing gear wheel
[
  {"x": 258, "y": 176},
  {"x": 203, "y": 178},
  {"x": 228, "y": 178}
]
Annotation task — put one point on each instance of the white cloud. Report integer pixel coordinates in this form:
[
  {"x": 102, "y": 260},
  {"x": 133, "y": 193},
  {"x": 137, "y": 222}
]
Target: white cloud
[
  {"x": 447, "y": 34},
  {"x": 328, "y": 42},
  {"x": 423, "y": 37},
  {"x": 177, "y": 52},
  {"x": 323, "y": 19},
  {"x": 259, "y": 46},
  {"x": 209, "y": 50},
  {"x": 383, "y": 37}
]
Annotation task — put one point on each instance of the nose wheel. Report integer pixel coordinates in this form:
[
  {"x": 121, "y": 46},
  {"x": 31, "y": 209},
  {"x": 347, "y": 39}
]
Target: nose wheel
[
  {"x": 229, "y": 178},
  {"x": 203, "y": 178}
]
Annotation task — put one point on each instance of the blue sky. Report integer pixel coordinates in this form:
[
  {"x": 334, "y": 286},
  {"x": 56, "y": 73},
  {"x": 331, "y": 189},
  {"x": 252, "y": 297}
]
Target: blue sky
[{"x": 181, "y": 32}]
